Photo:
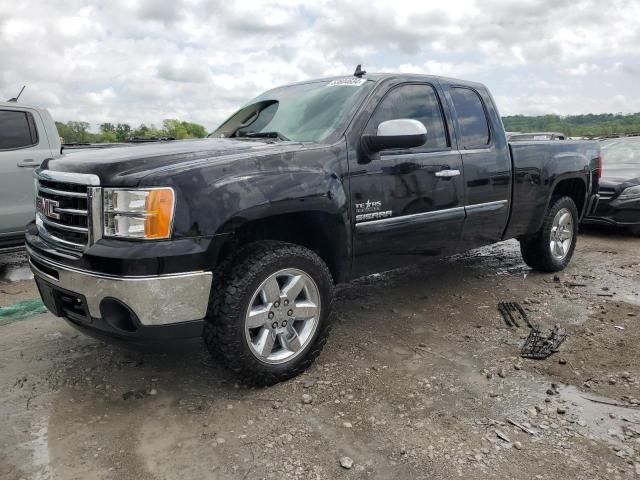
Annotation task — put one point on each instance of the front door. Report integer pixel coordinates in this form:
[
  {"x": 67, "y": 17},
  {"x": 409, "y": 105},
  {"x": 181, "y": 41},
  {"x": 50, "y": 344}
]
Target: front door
[{"x": 407, "y": 203}]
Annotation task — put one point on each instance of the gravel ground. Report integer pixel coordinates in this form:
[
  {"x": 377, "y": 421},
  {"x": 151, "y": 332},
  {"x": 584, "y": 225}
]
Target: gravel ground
[{"x": 420, "y": 379}]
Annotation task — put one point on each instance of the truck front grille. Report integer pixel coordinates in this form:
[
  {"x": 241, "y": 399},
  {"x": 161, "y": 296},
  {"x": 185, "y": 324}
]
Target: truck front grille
[{"x": 66, "y": 207}]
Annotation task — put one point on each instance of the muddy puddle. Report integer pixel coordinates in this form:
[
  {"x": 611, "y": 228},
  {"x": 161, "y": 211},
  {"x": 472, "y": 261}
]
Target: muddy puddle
[{"x": 14, "y": 268}]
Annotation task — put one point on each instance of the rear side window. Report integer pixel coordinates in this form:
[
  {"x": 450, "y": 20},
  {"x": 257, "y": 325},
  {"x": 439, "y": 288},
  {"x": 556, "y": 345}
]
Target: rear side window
[
  {"x": 418, "y": 102},
  {"x": 17, "y": 130},
  {"x": 472, "y": 119}
]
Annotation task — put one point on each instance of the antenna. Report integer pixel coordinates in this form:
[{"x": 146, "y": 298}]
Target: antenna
[
  {"x": 15, "y": 99},
  {"x": 359, "y": 72}
]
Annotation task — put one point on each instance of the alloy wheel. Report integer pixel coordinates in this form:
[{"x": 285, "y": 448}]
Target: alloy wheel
[
  {"x": 561, "y": 234},
  {"x": 282, "y": 316}
]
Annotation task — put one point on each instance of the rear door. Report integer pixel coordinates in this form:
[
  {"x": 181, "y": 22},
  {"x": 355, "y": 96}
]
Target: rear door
[
  {"x": 23, "y": 146},
  {"x": 486, "y": 166},
  {"x": 408, "y": 203}
]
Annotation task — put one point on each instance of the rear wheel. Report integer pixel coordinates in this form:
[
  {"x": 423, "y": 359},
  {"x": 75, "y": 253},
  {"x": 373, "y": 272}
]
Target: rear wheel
[
  {"x": 635, "y": 230},
  {"x": 269, "y": 313},
  {"x": 551, "y": 249}
]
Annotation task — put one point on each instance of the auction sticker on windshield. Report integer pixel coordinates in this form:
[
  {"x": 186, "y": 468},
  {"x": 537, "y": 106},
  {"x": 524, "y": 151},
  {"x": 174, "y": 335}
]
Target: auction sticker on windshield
[{"x": 350, "y": 82}]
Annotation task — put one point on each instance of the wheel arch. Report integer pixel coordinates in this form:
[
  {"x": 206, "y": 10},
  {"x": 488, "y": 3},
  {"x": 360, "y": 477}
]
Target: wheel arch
[
  {"x": 324, "y": 232},
  {"x": 573, "y": 186},
  {"x": 538, "y": 250}
]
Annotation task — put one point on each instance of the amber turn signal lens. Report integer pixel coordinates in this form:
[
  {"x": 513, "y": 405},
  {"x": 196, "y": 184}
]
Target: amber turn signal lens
[{"x": 159, "y": 212}]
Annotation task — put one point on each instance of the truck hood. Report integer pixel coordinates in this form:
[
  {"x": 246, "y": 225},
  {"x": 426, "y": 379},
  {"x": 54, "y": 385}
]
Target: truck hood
[{"x": 126, "y": 166}]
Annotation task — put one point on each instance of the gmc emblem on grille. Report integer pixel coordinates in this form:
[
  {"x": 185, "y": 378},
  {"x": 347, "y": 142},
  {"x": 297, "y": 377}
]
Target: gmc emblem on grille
[{"x": 47, "y": 207}]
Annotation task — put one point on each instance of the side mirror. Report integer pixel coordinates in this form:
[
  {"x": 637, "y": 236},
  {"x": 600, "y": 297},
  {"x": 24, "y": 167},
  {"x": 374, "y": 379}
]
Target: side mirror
[{"x": 399, "y": 133}]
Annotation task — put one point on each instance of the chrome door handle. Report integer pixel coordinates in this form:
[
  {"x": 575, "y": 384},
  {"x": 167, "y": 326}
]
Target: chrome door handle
[
  {"x": 28, "y": 163},
  {"x": 448, "y": 173}
]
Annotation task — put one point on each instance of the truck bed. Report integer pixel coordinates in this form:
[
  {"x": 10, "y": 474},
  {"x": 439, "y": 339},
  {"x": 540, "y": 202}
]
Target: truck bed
[{"x": 537, "y": 160}]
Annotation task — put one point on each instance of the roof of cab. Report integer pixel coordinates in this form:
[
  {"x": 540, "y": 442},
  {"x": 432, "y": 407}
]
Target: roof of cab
[
  {"x": 13, "y": 105},
  {"x": 377, "y": 77}
]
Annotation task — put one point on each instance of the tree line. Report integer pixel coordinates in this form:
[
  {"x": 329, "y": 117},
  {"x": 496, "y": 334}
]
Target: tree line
[
  {"x": 79, "y": 132},
  {"x": 589, "y": 125}
]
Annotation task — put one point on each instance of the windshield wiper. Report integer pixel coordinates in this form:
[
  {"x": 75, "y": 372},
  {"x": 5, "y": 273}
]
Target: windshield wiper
[{"x": 277, "y": 135}]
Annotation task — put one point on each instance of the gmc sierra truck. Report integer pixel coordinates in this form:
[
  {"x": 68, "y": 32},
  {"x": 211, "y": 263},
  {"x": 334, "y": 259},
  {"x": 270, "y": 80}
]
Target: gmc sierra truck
[
  {"x": 28, "y": 135},
  {"x": 241, "y": 237}
]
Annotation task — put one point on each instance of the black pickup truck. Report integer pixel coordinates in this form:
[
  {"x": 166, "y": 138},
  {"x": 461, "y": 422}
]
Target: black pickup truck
[{"x": 241, "y": 237}]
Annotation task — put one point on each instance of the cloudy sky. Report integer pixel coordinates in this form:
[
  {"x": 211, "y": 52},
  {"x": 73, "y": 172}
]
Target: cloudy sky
[{"x": 142, "y": 61}]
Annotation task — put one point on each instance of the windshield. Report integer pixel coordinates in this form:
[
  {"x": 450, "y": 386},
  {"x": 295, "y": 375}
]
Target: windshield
[
  {"x": 308, "y": 112},
  {"x": 621, "y": 151}
]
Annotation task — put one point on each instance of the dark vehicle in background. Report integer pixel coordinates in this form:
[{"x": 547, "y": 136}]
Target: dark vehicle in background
[
  {"x": 241, "y": 237},
  {"x": 536, "y": 136},
  {"x": 619, "y": 203}
]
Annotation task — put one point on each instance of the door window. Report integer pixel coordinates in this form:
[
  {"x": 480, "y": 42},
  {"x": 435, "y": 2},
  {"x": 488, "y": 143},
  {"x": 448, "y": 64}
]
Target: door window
[
  {"x": 17, "y": 130},
  {"x": 472, "y": 119},
  {"x": 418, "y": 102}
]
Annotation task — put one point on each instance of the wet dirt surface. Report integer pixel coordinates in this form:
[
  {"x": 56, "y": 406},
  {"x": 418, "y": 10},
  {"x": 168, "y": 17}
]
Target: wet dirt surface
[{"x": 421, "y": 379}]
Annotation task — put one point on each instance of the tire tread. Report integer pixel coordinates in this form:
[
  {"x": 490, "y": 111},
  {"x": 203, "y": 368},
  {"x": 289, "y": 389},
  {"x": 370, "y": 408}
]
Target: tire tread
[
  {"x": 535, "y": 249},
  {"x": 230, "y": 283}
]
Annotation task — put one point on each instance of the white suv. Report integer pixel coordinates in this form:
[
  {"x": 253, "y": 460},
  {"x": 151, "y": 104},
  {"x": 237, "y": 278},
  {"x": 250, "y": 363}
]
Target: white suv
[{"x": 28, "y": 135}]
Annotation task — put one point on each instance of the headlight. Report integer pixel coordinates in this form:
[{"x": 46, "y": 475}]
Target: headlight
[
  {"x": 630, "y": 192},
  {"x": 142, "y": 213}
]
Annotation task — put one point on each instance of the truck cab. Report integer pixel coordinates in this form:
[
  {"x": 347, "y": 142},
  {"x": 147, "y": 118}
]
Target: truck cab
[
  {"x": 28, "y": 136},
  {"x": 449, "y": 194}
]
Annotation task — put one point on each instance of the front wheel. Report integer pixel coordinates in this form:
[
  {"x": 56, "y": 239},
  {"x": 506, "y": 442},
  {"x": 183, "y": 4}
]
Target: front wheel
[
  {"x": 552, "y": 247},
  {"x": 269, "y": 313}
]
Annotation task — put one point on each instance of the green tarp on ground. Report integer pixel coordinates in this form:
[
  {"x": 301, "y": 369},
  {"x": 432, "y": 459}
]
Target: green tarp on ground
[{"x": 21, "y": 310}]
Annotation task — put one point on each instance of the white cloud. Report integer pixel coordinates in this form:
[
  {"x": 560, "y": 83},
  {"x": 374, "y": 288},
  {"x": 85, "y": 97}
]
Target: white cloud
[
  {"x": 145, "y": 60},
  {"x": 584, "y": 69},
  {"x": 560, "y": 105},
  {"x": 101, "y": 98}
]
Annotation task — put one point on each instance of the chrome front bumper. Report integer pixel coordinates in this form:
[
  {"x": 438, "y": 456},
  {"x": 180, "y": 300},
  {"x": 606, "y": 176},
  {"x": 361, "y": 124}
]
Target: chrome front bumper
[{"x": 155, "y": 300}]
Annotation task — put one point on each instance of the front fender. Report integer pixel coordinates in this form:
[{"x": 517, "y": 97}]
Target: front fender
[
  {"x": 311, "y": 209},
  {"x": 254, "y": 197}
]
